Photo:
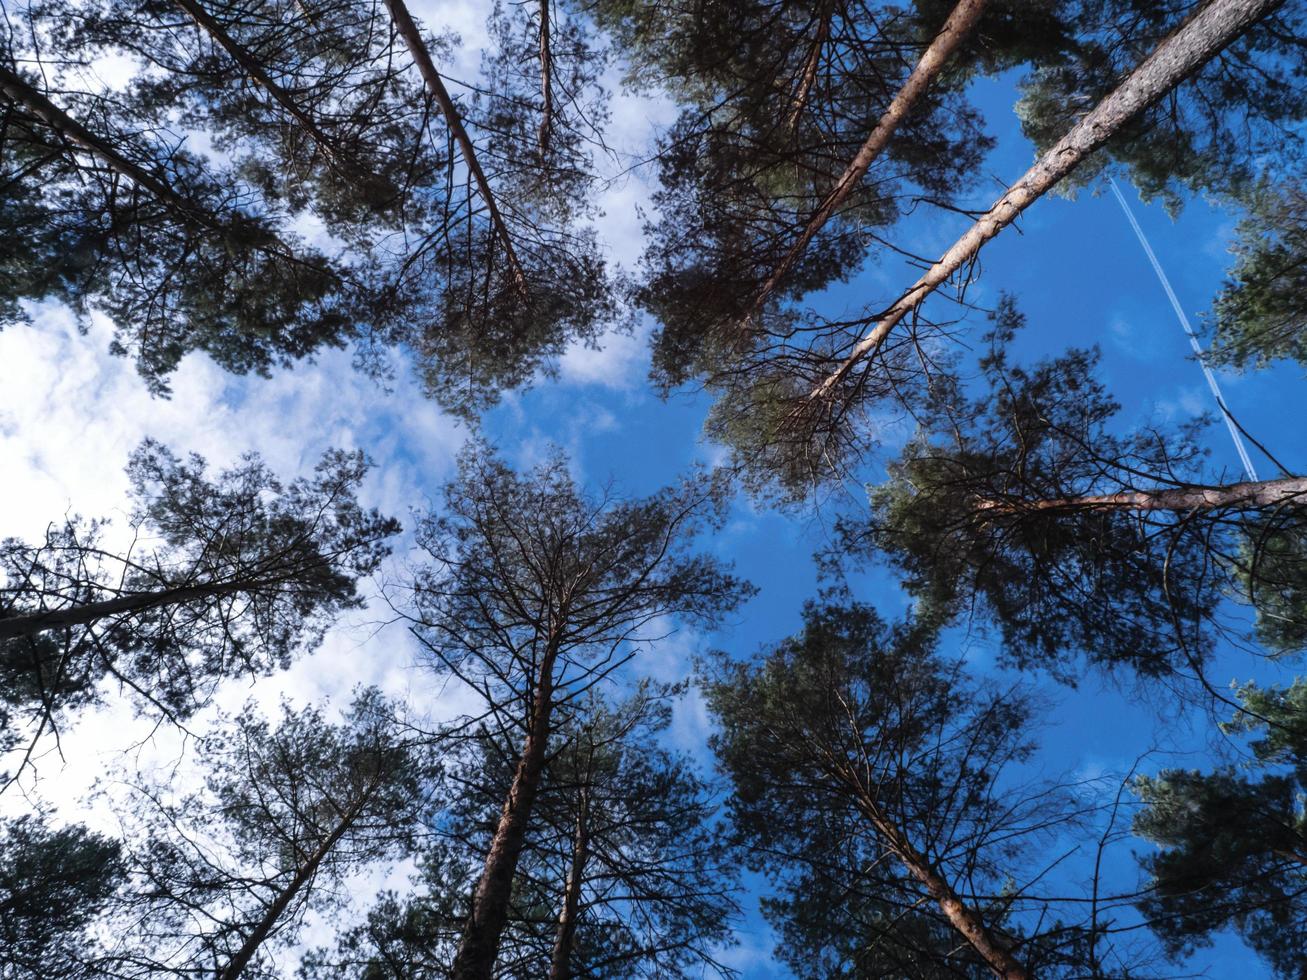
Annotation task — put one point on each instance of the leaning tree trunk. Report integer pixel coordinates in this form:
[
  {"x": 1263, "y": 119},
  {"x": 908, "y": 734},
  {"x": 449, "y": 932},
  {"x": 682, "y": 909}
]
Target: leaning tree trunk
[
  {"x": 560, "y": 961},
  {"x": 30, "y": 624},
  {"x": 1234, "y": 496},
  {"x": 237, "y": 964},
  {"x": 1181, "y": 54},
  {"x": 955, "y": 30},
  {"x": 964, "y": 920},
  {"x": 479, "y": 944},
  {"x": 436, "y": 86},
  {"x": 250, "y": 65},
  {"x": 20, "y": 93}
]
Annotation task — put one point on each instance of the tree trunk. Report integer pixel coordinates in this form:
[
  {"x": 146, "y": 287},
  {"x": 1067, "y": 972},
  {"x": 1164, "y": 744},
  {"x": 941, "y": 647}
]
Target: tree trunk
[
  {"x": 21, "y": 93},
  {"x": 1236, "y": 496},
  {"x": 237, "y": 964},
  {"x": 955, "y": 30},
  {"x": 964, "y": 919},
  {"x": 560, "y": 961},
  {"x": 810, "y": 67},
  {"x": 1184, "y": 52},
  {"x": 436, "y": 86},
  {"x": 18, "y": 91},
  {"x": 32, "y": 623},
  {"x": 546, "y": 81},
  {"x": 251, "y": 67},
  {"x": 479, "y": 944}
]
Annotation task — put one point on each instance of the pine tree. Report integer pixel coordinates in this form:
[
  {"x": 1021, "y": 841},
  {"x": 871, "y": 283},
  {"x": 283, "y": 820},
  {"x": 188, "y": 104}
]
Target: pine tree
[
  {"x": 535, "y": 593},
  {"x": 764, "y": 188},
  {"x": 1233, "y": 841},
  {"x": 334, "y": 111},
  {"x": 646, "y": 884},
  {"x": 1030, "y": 505},
  {"x": 231, "y": 574},
  {"x": 220, "y": 877},
  {"x": 1259, "y": 316},
  {"x": 105, "y": 210},
  {"x": 621, "y": 873},
  {"x": 868, "y": 786},
  {"x": 1231, "y": 119},
  {"x": 54, "y": 884},
  {"x": 516, "y": 288},
  {"x": 791, "y": 412}
]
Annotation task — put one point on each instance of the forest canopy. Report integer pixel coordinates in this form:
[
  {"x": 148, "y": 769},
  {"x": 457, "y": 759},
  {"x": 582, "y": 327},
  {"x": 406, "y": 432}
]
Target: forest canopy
[{"x": 652, "y": 489}]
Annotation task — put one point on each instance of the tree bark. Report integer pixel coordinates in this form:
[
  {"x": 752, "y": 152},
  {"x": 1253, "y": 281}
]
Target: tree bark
[
  {"x": 810, "y": 67},
  {"x": 436, "y": 86},
  {"x": 479, "y": 944},
  {"x": 251, "y": 67},
  {"x": 560, "y": 961},
  {"x": 1236, "y": 496},
  {"x": 237, "y": 964},
  {"x": 546, "y": 81},
  {"x": 18, "y": 91},
  {"x": 955, "y": 30},
  {"x": 964, "y": 919},
  {"x": 1184, "y": 52},
  {"x": 31, "y": 623},
  {"x": 21, "y": 93}
]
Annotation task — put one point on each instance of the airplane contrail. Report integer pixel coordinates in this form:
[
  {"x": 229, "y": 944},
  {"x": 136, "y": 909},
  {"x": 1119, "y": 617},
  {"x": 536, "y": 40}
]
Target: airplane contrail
[{"x": 1189, "y": 331}]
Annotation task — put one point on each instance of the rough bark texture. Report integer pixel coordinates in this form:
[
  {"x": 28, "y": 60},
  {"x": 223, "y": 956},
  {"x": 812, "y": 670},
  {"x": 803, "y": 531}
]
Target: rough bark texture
[
  {"x": 560, "y": 961},
  {"x": 479, "y": 944},
  {"x": 250, "y": 65},
  {"x": 32, "y": 623},
  {"x": 964, "y": 920},
  {"x": 236, "y": 966},
  {"x": 1184, "y": 52},
  {"x": 810, "y": 66},
  {"x": 1237, "y": 496},
  {"x": 955, "y": 30},
  {"x": 436, "y": 86}
]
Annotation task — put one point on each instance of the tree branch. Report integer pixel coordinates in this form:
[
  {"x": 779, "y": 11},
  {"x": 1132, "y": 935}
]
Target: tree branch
[
  {"x": 436, "y": 86},
  {"x": 955, "y": 30},
  {"x": 1253, "y": 495},
  {"x": 1184, "y": 52}
]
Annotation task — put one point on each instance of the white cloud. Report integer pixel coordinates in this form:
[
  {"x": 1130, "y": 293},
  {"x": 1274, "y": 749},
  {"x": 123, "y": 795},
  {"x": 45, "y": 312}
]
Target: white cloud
[
  {"x": 619, "y": 361},
  {"x": 70, "y": 415}
]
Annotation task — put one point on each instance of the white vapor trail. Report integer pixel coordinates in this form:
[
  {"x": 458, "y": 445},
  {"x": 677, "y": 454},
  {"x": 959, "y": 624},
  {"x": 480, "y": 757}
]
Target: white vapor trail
[{"x": 1189, "y": 331}]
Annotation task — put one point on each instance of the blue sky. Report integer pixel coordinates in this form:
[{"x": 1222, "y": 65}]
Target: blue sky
[
  {"x": 69, "y": 414},
  {"x": 1082, "y": 279}
]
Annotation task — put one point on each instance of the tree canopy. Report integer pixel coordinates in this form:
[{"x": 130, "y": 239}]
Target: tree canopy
[{"x": 542, "y": 724}]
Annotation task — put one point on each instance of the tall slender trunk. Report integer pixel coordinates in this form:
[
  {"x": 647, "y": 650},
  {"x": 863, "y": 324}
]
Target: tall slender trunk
[
  {"x": 250, "y": 65},
  {"x": 32, "y": 623},
  {"x": 1184, "y": 52},
  {"x": 436, "y": 86},
  {"x": 560, "y": 960},
  {"x": 955, "y": 30},
  {"x": 965, "y": 920},
  {"x": 18, "y": 91},
  {"x": 811, "y": 66},
  {"x": 237, "y": 964},
  {"x": 1262, "y": 493},
  {"x": 546, "y": 81},
  {"x": 479, "y": 944}
]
